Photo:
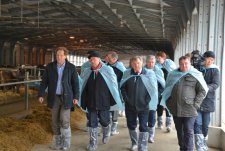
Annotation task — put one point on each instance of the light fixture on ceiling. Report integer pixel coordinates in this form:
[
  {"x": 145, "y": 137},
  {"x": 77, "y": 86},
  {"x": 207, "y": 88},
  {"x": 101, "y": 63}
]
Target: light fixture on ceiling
[
  {"x": 64, "y": 1},
  {"x": 121, "y": 23},
  {"x": 26, "y": 38},
  {"x": 195, "y": 11},
  {"x": 72, "y": 37}
]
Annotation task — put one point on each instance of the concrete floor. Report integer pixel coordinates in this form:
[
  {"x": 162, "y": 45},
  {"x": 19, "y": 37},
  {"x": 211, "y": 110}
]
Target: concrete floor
[{"x": 163, "y": 141}]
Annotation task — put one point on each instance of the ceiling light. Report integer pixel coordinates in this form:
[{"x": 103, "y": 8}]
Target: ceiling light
[
  {"x": 25, "y": 38},
  {"x": 72, "y": 37},
  {"x": 64, "y": 1}
]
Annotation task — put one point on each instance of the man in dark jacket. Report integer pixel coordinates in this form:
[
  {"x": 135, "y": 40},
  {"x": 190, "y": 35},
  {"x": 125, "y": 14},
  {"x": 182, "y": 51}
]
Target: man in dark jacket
[
  {"x": 212, "y": 78},
  {"x": 118, "y": 68},
  {"x": 185, "y": 89},
  {"x": 140, "y": 93},
  {"x": 99, "y": 92},
  {"x": 61, "y": 79},
  {"x": 166, "y": 65},
  {"x": 150, "y": 64}
]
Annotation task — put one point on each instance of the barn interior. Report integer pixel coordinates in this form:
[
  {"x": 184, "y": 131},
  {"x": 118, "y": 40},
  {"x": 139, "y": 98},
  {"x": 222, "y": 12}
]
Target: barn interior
[
  {"x": 126, "y": 26},
  {"x": 30, "y": 31}
]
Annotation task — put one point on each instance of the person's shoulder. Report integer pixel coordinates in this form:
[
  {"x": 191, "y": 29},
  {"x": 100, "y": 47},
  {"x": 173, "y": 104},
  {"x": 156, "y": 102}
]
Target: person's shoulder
[
  {"x": 87, "y": 63},
  {"x": 51, "y": 64},
  {"x": 174, "y": 71},
  {"x": 120, "y": 63},
  {"x": 148, "y": 71},
  {"x": 169, "y": 60},
  {"x": 157, "y": 69},
  {"x": 70, "y": 64},
  {"x": 214, "y": 68},
  {"x": 128, "y": 70},
  {"x": 106, "y": 67}
]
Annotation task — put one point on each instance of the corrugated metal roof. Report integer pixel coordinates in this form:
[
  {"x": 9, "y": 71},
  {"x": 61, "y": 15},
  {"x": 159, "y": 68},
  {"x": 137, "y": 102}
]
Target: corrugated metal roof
[{"x": 135, "y": 24}]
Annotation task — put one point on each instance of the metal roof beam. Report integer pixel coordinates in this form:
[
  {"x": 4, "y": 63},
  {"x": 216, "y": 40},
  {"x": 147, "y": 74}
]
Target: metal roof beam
[
  {"x": 162, "y": 18},
  {"x": 138, "y": 16}
]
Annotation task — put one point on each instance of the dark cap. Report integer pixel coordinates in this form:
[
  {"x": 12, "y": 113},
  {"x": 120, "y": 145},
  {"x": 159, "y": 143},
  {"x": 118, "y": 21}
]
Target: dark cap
[
  {"x": 209, "y": 54},
  {"x": 94, "y": 54}
]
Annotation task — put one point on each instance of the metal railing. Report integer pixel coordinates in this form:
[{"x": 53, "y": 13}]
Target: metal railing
[{"x": 26, "y": 84}]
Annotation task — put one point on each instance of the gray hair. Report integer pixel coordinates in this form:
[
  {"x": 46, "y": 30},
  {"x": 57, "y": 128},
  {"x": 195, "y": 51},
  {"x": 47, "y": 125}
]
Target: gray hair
[
  {"x": 150, "y": 57},
  {"x": 113, "y": 54},
  {"x": 136, "y": 58}
]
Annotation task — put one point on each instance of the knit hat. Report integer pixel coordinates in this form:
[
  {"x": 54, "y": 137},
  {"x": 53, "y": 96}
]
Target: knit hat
[{"x": 94, "y": 54}]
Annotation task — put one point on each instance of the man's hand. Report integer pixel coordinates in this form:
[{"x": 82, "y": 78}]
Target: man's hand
[
  {"x": 75, "y": 101},
  {"x": 41, "y": 99}
]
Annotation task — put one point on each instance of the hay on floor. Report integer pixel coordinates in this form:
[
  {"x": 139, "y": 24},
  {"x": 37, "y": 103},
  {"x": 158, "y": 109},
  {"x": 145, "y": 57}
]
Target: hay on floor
[{"x": 33, "y": 129}]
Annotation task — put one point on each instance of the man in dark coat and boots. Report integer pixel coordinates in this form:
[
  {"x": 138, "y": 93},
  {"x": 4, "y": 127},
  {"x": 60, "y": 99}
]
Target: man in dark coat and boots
[
  {"x": 118, "y": 68},
  {"x": 99, "y": 93},
  {"x": 61, "y": 79},
  {"x": 212, "y": 77},
  {"x": 185, "y": 89},
  {"x": 140, "y": 94}
]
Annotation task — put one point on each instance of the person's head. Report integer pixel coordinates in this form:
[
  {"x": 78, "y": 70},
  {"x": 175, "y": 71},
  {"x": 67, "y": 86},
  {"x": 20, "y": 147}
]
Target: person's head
[
  {"x": 106, "y": 58},
  {"x": 184, "y": 64},
  {"x": 209, "y": 57},
  {"x": 89, "y": 52},
  {"x": 112, "y": 57},
  {"x": 150, "y": 61},
  {"x": 61, "y": 55},
  {"x": 94, "y": 59},
  {"x": 161, "y": 57},
  {"x": 136, "y": 63},
  {"x": 188, "y": 55}
]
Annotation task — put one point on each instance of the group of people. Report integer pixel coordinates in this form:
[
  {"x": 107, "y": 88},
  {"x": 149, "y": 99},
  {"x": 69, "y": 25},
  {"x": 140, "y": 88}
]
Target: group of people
[
  {"x": 189, "y": 95},
  {"x": 106, "y": 87}
]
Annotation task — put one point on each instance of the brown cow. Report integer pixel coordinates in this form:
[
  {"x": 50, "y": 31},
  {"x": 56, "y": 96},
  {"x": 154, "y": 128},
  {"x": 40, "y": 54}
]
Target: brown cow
[{"x": 8, "y": 76}]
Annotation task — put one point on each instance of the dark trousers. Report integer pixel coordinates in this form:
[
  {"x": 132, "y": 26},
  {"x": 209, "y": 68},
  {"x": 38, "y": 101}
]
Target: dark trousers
[
  {"x": 151, "y": 118},
  {"x": 114, "y": 115},
  {"x": 132, "y": 120},
  {"x": 160, "y": 110},
  {"x": 202, "y": 123},
  {"x": 103, "y": 116},
  {"x": 185, "y": 132}
]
